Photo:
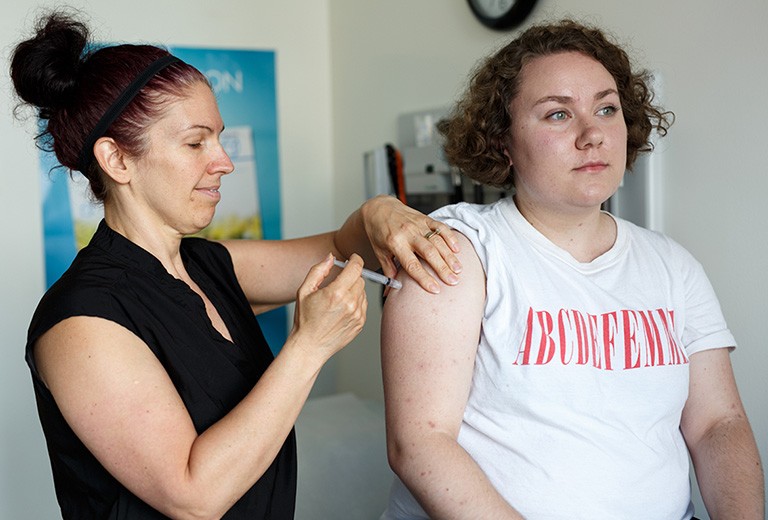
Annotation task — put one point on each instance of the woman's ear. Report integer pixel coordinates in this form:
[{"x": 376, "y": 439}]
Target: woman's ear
[
  {"x": 112, "y": 160},
  {"x": 505, "y": 150}
]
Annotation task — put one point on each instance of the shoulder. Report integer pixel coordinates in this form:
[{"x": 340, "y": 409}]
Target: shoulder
[
  {"x": 646, "y": 241},
  {"x": 471, "y": 215},
  {"x": 666, "y": 258},
  {"x": 85, "y": 287},
  {"x": 204, "y": 248},
  {"x": 412, "y": 300},
  {"x": 88, "y": 288},
  {"x": 210, "y": 256},
  {"x": 486, "y": 226}
]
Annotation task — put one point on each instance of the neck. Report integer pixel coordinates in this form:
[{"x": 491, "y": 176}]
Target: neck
[
  {"x": 162, "y": 243},
  {"x": 584, "y": 234}
]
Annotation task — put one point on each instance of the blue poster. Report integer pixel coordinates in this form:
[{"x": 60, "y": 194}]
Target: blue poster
[{"x": 244, "y": 84}]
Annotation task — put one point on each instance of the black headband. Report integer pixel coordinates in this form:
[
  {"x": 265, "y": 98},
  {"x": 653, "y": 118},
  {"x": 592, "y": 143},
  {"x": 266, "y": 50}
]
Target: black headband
[{"x": 125, "y": 97}]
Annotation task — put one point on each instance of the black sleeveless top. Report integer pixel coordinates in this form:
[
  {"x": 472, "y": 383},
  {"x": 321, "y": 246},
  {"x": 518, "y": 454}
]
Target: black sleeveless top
[{"x": 115, "y": 279}]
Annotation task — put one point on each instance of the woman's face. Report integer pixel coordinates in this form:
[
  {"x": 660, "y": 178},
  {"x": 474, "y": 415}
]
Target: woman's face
[
  {"x": 568, "y": 140},
  {"x": 178, "y": 179}
]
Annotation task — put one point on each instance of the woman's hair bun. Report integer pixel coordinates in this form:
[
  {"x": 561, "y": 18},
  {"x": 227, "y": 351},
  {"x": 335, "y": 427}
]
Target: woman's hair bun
[{"x": 44, "y": 68}]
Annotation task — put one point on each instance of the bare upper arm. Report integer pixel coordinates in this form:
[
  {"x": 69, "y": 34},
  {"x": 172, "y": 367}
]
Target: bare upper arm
[
  {"x": 120, "y": 402},
  {"x": 271, "y": 271},
  {"x": 712, "y": 396},
  {"x": 429, "y": 342}
]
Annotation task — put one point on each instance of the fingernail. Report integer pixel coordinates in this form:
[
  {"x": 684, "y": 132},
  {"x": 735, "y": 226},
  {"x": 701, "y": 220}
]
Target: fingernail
[
  {"x": 456, "y": 267},
  {"x": 434, "y": 288}
]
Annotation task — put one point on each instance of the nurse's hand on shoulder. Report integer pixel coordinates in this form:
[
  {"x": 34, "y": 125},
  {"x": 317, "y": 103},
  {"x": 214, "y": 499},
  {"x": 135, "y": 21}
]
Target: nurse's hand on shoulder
[
  {"x": 327, "y": 318},
  {"x": 399, "y": 232}
]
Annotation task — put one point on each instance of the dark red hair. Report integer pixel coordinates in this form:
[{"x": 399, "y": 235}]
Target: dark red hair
[{"x": 72, "y": 87}]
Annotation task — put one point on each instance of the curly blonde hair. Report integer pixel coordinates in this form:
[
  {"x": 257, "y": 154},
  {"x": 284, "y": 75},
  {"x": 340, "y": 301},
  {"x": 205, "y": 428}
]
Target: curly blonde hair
[{"x": 479, "y": 125}]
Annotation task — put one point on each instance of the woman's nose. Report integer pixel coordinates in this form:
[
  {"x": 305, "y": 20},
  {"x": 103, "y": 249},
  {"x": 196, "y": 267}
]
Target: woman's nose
[
  {"x": 590, "y": 135},
  {"x": 222, "y": 163}
]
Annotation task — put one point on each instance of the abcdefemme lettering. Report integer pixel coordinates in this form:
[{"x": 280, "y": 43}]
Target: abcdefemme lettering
[{"x": 617, "y": 340}]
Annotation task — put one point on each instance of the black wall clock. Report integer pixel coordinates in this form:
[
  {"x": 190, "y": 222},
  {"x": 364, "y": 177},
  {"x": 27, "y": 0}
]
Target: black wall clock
[{"x": 501, "y": 14}]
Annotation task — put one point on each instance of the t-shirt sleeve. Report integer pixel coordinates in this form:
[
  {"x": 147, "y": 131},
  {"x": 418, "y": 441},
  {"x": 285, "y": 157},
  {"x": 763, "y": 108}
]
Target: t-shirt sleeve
[
  {"x": 466, "y": 219},
  {"x": 705, "y": 327}
]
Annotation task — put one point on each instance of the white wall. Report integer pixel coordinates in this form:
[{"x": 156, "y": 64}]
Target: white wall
[
  {"x": 339, "y": 99},
  {"x": 300, "y": 37},
  {"x": 400, "y": 56}
]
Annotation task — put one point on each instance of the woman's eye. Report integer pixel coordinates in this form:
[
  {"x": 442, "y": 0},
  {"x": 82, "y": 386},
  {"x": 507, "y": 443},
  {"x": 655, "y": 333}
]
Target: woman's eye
[
  {"x": 608, "y": 111},
  {"x": 195, "y": 145},
  {"x": 560, "y": 115}
]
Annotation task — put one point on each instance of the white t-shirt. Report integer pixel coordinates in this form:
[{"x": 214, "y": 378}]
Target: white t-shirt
[{"x": 581, "y": 372}]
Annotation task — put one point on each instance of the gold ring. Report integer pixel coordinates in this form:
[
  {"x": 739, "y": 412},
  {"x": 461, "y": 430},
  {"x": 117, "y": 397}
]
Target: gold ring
[{"x": 431, "y": 233}]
